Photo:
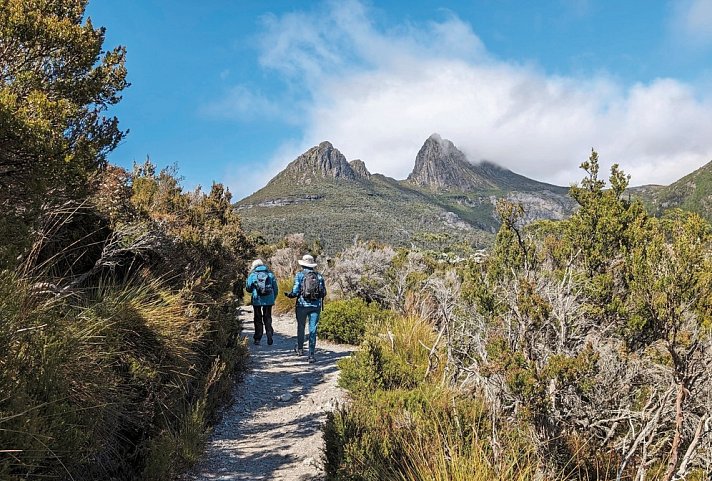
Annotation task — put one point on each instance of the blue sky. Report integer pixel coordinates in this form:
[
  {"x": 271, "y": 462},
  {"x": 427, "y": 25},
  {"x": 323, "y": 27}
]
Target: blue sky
[{"x": 231, "y": 91}]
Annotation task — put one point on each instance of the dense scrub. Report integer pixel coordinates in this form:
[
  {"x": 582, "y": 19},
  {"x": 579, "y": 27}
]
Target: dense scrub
[
  {"x": 595, "y": 331},
  {"x": 119, "y": 336},
  {"x": 587, "y": 340},
  {"x": 401, "y": 424}
]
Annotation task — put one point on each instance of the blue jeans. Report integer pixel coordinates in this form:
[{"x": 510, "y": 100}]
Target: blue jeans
[{"x": 312, "y": 313}]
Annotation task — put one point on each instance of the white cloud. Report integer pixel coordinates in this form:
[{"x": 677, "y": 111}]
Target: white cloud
[
  {"x": 243, "y": 103},
  {"x": 692, "y": 21},
  {"x": 377, "y": 93}
]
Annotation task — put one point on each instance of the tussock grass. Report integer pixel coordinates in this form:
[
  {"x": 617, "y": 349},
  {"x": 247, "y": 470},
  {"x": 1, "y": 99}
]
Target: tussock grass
[
  {"x": 401, "y": 424},
  {"x": 108, "y": 380}
]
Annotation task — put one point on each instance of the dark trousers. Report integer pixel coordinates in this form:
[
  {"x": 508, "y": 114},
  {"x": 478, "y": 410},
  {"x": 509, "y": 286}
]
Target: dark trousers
[{"x": 263, "y": 317}]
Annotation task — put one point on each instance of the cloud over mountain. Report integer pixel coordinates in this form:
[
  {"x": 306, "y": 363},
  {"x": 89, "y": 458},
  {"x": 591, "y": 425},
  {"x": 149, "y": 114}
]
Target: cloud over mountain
[{"x": 377, "y": 91}]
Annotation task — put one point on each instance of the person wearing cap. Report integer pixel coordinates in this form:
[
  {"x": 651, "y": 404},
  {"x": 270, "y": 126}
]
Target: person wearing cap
[
  {"x": 309, "y": 304},
  {"x": 262, "y": 284}
]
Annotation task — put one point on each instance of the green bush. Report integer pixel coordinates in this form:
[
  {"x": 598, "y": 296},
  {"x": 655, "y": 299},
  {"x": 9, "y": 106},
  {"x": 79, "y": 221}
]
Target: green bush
[
  {"x": 347, "y": 321},
  {"x": 402, "y": 425},
  {"x": 283, "y": 304},
  {"x": 118, "y": 381},
  {"x": 426, "y": 433}
]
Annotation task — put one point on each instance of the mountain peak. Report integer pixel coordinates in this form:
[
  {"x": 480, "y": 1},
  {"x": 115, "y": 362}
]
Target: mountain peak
[
  {"x": 441, "y": 165},
  {"x": 359, "y": 167},
  {"x": 322, "y": 160}
]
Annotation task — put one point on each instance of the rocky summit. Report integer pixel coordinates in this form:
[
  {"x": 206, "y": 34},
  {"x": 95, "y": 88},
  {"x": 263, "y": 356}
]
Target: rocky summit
[
  {"x": 320, "y": 161},
  {"x": 446, "y": 200},
  {"x": 441, "y": 165}
]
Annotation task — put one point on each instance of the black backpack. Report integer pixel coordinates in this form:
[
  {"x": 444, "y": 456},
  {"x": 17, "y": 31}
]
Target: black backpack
[
  {"x": 264, "y": 284},
  {"x": 311, "y": 289}
]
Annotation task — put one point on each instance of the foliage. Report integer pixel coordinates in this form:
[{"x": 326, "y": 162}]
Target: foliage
[
  {"x": 283, "y": 304},
  {"x": 88, "y": 386},
  {"x": 283, "y": 261},
  {"x": 56, "y": 85},
  {"x": 410, "y": 282},
  {"x": 361, "y": 270},
  {"x": 594, "y": 332},
  {"x": 347, "y": 321},
  {"x": 121, "y": 338},
  {"x": 400, "y": 425}
]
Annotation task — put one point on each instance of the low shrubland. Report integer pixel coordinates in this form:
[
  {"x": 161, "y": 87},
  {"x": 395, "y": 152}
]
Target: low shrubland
[
  {"x": 347, "y": 321},
  {"x": 594, "y": 331},
  {"x": 120, "y": 338},
  {"x": 401, "y": 424},
  {"x": 585, "y": 342}
]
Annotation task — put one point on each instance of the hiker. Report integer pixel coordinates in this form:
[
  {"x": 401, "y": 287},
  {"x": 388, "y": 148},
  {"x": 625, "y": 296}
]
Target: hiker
[
  {"x": 309, "y": 290},
  {"x": 263, "y": 286}
]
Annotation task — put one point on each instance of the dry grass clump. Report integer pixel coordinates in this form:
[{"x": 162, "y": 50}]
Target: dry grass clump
[
  {"x": 119, "y": 336},
  {"x": 402, "y": 425},
  {"x": 89, "y": 385}
]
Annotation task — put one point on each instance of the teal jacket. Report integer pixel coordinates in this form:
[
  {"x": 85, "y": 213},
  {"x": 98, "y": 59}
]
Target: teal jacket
[
  {"x": 297, "y": 288},
  {"x": 251, "y": 286}
]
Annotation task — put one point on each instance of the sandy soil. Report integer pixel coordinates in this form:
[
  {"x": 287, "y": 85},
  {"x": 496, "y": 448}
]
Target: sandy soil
[{"x": 273, "y": 429}]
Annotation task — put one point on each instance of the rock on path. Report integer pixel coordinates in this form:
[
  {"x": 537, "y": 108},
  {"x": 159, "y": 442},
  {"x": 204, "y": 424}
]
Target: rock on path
[{"x": 272, "y": 431}]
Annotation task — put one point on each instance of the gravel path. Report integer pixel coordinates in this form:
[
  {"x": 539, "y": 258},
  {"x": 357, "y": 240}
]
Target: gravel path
[{"x": 273, "y": 429}]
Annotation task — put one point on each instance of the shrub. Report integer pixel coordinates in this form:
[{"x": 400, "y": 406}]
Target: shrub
[
  {"x": 392, "y": 358},
  {"x": 401, "y": 425},
  {"x": 346, "y": 321},
  {"x": 87, "y": 385},
  {"x": 425, "y": 433},
  {"x": 108, "y": 372},
  {"x": 282, "y": 303}
]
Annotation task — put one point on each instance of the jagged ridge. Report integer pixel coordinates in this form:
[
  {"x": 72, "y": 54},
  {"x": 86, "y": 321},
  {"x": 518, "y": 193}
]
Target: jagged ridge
[
  {"x": 322, "y": 160},
  {"x": 440, "y": 165},
  {"x": 333, "y": 200}
]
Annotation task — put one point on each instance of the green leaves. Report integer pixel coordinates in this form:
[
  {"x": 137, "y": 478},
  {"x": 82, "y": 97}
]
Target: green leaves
[{"x": 56, "y": 84}]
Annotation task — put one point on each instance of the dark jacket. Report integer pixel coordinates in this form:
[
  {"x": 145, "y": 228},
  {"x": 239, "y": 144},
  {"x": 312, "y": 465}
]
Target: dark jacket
[{"x": 251, "y": 286}]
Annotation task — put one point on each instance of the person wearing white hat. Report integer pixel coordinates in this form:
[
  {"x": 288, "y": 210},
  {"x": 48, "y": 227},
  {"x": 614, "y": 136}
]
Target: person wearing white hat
[
  {"x": 309, "y": 289},
  {"x": 262, "y": 284}
]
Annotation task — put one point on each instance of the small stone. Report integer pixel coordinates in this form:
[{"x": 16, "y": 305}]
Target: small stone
[
  {"x": 285, "y": 397},
  {"x": 309, "y": 462}
]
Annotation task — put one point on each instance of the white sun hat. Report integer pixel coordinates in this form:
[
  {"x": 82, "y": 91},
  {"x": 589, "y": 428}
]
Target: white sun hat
[
  {"x": 256, "y": 263},
  {"x": 307, "y": 261}
]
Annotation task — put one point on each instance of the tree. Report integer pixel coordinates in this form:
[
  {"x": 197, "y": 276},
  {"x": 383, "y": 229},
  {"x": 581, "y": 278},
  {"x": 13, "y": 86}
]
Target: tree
[
  {"x": 56, "y": 84},
  {"x": 594, "y": 333}
]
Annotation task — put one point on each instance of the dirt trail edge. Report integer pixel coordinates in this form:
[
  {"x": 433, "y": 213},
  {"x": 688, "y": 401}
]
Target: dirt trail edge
[{"x": 272, "y": 431}]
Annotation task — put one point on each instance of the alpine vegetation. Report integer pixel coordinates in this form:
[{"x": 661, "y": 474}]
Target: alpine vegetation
[{"x": 575, "y": 349}]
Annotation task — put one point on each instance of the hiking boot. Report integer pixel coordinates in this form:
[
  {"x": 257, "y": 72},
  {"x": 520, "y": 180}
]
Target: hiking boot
[
  {"x": 257, "y": 342},
  {"x": 312, "y": 359},
  {"x": 298, "y": 352},
  {"x": 269, "y": 340}
]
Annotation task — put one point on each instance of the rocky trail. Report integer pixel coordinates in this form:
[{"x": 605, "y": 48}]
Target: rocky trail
[{"x": 272, "y": 431}]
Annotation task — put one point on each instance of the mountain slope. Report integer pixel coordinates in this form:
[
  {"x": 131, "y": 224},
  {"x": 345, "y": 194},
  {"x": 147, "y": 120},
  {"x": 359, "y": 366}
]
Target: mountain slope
[
  {"x": 441, "y": 166},
  {"x": 445, "y": 201},
  {"x": 692, "y": 192},
  {"x": 336, "y": 209}
]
